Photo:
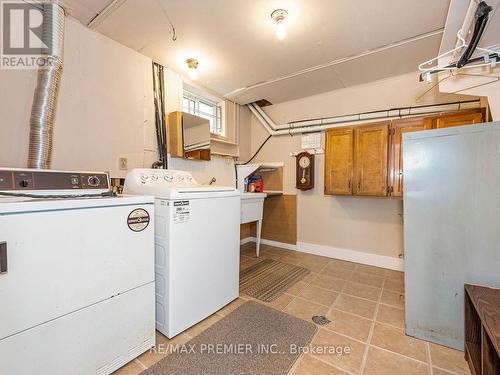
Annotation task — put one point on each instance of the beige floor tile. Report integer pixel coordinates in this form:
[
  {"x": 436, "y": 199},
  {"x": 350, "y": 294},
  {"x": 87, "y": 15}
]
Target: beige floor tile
[
  {"x": 164, "y": 346},
  {"x": 131, "y": 368},
  {"x": 276, "y": 250},
  {"x": 309, "y": 277},
  {"x": 318, "y": 295},
  {"x": 312, "y": 265},
  {"x": 370, "y": 269},
  {"x": 355, "y": 306},
  {"x": 280, "y": 303},
  {"x": 394, "y": 275},
  {"x": 362, "y": 290},
  {"x": 203, "y": 325},
  {"x": 368, "y": 279},
  {"x": 339, "y": 273},
  {"x": 393, "y": 298},
  {"x": 438, "y": 371},
  {"x": 328, "y": 282},
  {"x": 290, "y": 259},
  {"x": 308, "y": 365},
  {"x": 394, "y": 285},
  {"x": 305, "y": 309},
  {"x": 350, "y": 353},
  {"x": 296, "y": 288},
  {"x": 337, "y": 263},
  {"x": 349, "y": 325},
  {"x": 395, "y": 340},
  {"x": 391, "y": 315},
  {"x": 380, "y": 362},
  {"x": 229, "y": 308},
  {"x": 448, "y": 359}
]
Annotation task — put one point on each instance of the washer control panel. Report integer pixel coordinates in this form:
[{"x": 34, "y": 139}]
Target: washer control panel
[
  {"x": 165, "y": 177},
  {"x": 36, "y": 179}
]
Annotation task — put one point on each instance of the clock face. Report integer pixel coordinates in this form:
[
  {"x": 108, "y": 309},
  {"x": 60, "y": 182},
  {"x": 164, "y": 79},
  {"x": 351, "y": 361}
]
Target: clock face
[{"x": 304, "y": 162}]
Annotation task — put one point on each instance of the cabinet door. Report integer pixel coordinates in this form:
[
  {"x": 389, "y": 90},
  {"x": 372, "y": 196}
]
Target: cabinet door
[
  {"x": 339, "y": 161},
  {"x": 448, "y": 121},
  {"x": 399, "y": 128},
  {"x": 370, "y": 165}
]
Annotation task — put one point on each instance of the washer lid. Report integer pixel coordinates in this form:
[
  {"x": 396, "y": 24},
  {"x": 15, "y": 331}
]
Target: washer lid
[{"x": 172, "y": 184}]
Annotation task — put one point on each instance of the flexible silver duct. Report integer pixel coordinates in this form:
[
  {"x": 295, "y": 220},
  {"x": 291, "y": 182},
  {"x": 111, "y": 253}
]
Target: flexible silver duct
[{"x": 45, "y": 98}]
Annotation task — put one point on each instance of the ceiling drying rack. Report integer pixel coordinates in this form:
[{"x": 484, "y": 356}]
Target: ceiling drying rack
[{"x": 489, "y": 57}]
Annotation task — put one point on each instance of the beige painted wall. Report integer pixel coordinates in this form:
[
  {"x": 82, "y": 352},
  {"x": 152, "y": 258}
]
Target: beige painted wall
[
  {"x": 473, "y": 86},
  {"x": 372, "y": 225},
  {"x": 105, "y": 110}
]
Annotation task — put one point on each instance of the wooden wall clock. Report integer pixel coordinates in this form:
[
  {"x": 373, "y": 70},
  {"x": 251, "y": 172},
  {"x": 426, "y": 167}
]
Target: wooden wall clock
[{"x": 304, "y": 171}]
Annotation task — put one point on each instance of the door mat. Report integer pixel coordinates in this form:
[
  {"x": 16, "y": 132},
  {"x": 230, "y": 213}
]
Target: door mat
[
  {"x": 269, "y": 279},
  {"x": 253, "y": 340}
]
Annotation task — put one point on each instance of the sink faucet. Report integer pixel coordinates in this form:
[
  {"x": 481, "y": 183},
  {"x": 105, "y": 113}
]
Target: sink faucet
[{"x": 212, "y": 181}]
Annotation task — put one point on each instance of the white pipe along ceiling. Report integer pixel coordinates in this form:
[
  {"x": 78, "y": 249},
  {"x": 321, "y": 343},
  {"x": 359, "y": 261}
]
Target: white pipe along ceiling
[{"x": 316, "y": 125}]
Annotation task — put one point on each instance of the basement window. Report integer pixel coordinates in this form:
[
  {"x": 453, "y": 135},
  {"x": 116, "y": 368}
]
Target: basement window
[{"x": 203, "y": 107}]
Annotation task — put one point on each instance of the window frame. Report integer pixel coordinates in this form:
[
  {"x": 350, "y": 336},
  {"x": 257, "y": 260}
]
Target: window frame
[{"x": 217, "y": 128}]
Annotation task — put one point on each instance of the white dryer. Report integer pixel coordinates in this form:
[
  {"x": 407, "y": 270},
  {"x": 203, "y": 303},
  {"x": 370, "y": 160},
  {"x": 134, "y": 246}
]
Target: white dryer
[
  {"x": 76, "y": 274},
  {"x": 197, "y": 237}
]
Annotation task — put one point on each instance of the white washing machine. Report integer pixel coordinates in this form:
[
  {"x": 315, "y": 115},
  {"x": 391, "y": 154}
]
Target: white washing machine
[
  {"x": 76, "y": 274},
  {"x": 197, "y": 239}
]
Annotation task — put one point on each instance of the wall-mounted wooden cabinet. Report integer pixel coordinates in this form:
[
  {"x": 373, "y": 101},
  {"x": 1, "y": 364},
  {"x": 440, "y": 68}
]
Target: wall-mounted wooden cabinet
[
  {"x": 398, "y": 128},
  {"x": 455, "y": 119},
  {"x": 368, "y": 159},
  {"x": 188, "y": 136},
  {"x": 356, "y": 160},
  {"x": 339, "y": 159}
]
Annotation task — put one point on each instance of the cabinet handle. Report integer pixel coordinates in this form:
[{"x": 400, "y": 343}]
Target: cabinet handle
[
  {"x": 359, "y": 185},
  {"x": 349, "y": 183},
  {"x": 3, "y": 257}
]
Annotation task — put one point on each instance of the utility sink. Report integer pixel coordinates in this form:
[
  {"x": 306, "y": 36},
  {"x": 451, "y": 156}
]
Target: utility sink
[{"x": 252, "y": 208}]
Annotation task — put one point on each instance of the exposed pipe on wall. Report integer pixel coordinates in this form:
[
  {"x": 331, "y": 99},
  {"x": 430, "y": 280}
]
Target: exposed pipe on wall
[
  {"x": 320, "y": 124},
  {"x": 43, "y": 109}
]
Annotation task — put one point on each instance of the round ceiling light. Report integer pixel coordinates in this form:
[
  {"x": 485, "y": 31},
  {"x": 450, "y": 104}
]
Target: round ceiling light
[
  {"x": 279, "y": 17},
  {"x": 192, "y": 64}
]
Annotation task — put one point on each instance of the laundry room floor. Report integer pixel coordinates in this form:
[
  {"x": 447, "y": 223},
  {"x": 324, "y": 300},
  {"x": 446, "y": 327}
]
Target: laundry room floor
[{"x": 365, "y": 305}]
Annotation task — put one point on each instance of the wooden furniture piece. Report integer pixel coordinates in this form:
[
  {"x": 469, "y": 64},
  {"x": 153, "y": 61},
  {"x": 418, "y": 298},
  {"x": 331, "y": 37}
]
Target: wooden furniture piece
[
  {"x": 368, "y": 159},
  {"x": 447, "y": 120},
  {"x": 174, "y": 134},
  {"x": 459, "y": 120},
  {"x": 175, "y": 141},
  {"x": 482, "y": 329},
  {"x": 339, "y": 161}
]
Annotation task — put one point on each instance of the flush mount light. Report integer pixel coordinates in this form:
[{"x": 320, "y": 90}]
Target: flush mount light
[
  {"x": 279, "y": 17},
  {"x": 192, "y": 66}
]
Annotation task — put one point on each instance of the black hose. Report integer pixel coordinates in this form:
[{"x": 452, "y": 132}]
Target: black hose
[{"x": 249, "y": 160}]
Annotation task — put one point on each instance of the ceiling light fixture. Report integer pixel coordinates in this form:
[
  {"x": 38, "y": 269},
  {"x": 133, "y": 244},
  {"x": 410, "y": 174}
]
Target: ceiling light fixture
[
  {"x": 193, "y": 66},
  {"x": 279, "y": 17}
]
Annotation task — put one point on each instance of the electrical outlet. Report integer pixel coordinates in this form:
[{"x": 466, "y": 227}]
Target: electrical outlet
[{"x": 123, "y": 164}]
